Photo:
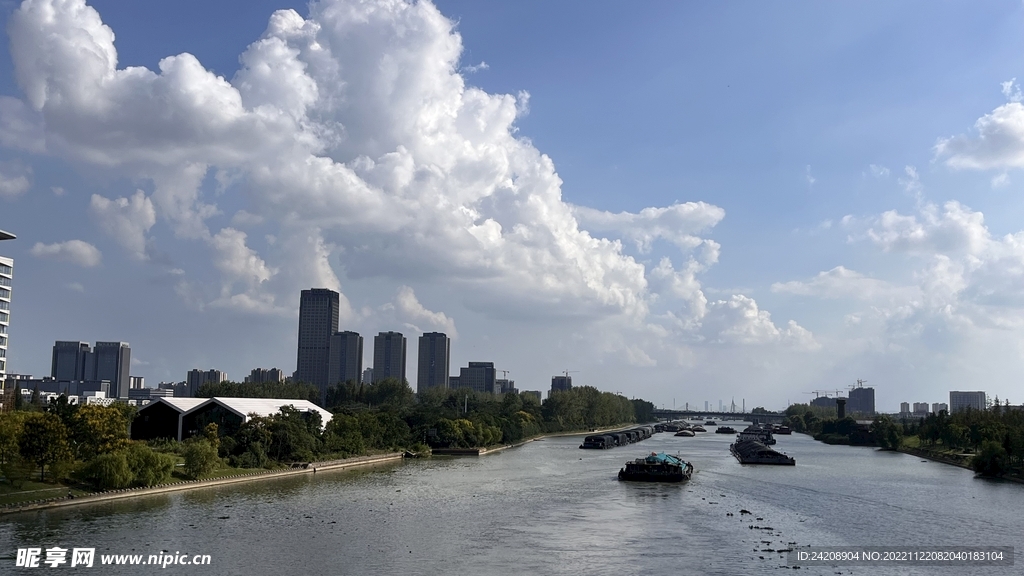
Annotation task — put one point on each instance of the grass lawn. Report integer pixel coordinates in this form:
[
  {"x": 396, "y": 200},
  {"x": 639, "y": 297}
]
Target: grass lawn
[{"x": 35, "y": 490}]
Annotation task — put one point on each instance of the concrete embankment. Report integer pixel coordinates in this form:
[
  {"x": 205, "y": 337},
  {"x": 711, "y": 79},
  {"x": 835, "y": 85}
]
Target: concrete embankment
[
  {"x": 936, "y": 456},
  {"x": 311, "y": 468}
]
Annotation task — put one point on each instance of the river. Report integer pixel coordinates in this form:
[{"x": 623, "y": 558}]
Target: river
[{"x": 549, "y": 508}]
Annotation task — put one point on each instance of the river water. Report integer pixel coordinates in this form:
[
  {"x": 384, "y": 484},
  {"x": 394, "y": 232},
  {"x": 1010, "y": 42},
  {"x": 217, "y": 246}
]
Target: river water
[{"x": 549, "y": 508}]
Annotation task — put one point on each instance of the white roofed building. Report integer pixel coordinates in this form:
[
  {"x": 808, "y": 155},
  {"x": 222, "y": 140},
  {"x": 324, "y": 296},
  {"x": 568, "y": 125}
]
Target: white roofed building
[{"x": 182, "y": 418}]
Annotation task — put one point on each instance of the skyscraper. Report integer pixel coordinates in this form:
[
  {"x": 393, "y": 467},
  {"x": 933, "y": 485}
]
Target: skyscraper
[
  {"x": 480, "y": 376},
  {"x": 862, "y": 400},
  {"x": 68, "y": 361},
  {"x": 110, "y": 361},
  {"x": 6, "y": 275},
  {"x": 318, "y": 320},
  {"x": 434, "y": 361},
  {"x": 561, "y": 383},
  {"x": 346, "y": 358},
  {"x": 389, "y": 356}
]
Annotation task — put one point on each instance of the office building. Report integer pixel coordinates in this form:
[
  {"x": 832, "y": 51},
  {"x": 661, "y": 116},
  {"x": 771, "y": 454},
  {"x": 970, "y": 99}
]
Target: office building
[
  {"x": 178, "y": 389},
  {"x": 107, "y": 361},
  {"x": 6, "y": 277},
  {"x": 454, "y": 382},
  {"x": 196, "y": 378},
  {"x": 111, "y": 361},
  {"x": 960, "y": 401},
  {"x": 560, "y": 383},
  {"x": 480, "y": 376},
  {"x": 861, "y": 401},
  {"x": 389, "y": 356},
  {"x": 264, "y": 375},
  {"x": 68, "y": 360},
  {"x": 506, "y": 386},
  {"x": 143, "y": 396},
  {"x": 367, "y": 376},
  {"x": 318, "y": 320},
  {"x": 136, "y": 382},
  {"x": 345, "y": 357},
  {"x": 434, "y": 361},
  {"x": 939, "y": 407},
  {"x": 535, "y": 393}
]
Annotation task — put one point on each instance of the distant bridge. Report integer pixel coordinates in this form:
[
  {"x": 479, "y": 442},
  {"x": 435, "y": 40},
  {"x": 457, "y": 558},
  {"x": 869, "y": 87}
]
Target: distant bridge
[{"x": 744, "y": 416}]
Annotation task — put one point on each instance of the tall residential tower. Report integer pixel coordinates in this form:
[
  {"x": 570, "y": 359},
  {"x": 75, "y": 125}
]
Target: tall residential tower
[
  {"x": 389, "y": 356},
  {"x": 6, "y": 275},
  {"x": 434, "y": 361},
  {"x": 346, "y": 358},
  {"x": 318, "y": 321}
]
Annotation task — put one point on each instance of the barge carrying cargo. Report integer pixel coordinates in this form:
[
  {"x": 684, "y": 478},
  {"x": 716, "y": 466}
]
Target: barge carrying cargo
[
  {"x": 754, "y": 452},
  {"x": 658, "y": 467}
]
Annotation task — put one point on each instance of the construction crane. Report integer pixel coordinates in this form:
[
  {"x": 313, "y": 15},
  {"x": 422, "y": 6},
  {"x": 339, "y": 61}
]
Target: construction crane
[
  {"x": 567, "y": 372},
  {"x": 859, "y": 384},
  {"x": 504, "y": 374}
]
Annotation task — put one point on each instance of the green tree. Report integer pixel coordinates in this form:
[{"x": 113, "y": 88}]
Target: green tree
[
  {"x": 109, "y": 471},
  {"x": 44, "y": 441},
  {"x": 991, "y": 460},
  {"x": 19, "y": 401},
  {"x": 11, "y": 426},
  {"x": 62, "y": 408},
  {"x": 200, "y": 458},
  {"x": 148, "y": 467},
  {"x": 886, "y": 433},
  {"x": 99, "y": 429},
  {"x": 343, "y": 435}
]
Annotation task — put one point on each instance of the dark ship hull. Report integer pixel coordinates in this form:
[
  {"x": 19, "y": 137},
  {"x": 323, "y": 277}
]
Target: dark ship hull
[{"x": 656, "y": 468}]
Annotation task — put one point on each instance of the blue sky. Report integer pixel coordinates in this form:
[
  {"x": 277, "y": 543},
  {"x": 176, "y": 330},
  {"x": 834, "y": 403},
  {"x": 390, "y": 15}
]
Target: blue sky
[{"x": 684, "y": 202}]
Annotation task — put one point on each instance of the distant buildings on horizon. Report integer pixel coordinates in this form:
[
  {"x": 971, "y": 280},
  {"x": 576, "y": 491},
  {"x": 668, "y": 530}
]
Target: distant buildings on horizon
[{"x": 326, "y": 356}]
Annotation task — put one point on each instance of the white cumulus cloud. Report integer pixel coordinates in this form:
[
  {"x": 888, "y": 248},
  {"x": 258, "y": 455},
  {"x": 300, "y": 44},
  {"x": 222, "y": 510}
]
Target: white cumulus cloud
[
  {"x": 126, "y": 220},
  {"x": 74, "y": 251}
]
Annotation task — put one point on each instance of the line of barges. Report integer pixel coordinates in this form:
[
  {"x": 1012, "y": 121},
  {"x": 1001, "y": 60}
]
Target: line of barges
[{"x": 621, "y": 438}]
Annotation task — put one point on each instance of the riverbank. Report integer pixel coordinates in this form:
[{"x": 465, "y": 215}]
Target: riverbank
[
  {"x": 109, "y": 495},
  {"x": 310, "y": 468},
  {"x": 492, "y": 449}
]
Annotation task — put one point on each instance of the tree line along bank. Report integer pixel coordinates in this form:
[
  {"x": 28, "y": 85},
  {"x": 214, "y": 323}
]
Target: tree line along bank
[
  {"x": 990, "y": 441},
  {"x": 89, "y": 447}
]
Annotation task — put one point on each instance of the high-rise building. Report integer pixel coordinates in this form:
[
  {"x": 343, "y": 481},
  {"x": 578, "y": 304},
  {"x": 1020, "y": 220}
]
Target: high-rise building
[
  {"x": 197, "y": 378},
  {"x": 110, "y": 361},
  {"x": 939, "y": 407},
  {"x": 367, "y": 376},
  {"x": 904, "y": 407},
  {"x": 506, "y": 386},
  {"x": 862, "y": 400},
  {"x": 920, "y": 408},
  {"x": 480, "y": 376},
  {"x": 318, "y": 320},
  {"x": 960, "y": 401},
  {"x": 346, "y": 358},
  {"x": 68, "y": 362},
  {"x": 434, "y": 361},
  {"x": 561, "y": 383},
  {"x": 136, "y": 382},
  {"x": 389, "y": 356},
  {"x": 6, "y": 276},
  {"x": 264, "y": 375}
]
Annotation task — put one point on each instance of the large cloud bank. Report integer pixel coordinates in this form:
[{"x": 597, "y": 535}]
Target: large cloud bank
[{"x": 357, "y": 148}]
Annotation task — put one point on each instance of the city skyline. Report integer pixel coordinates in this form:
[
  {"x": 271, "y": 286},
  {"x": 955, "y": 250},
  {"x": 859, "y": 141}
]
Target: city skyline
[{"x": 664, "y": 202}]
